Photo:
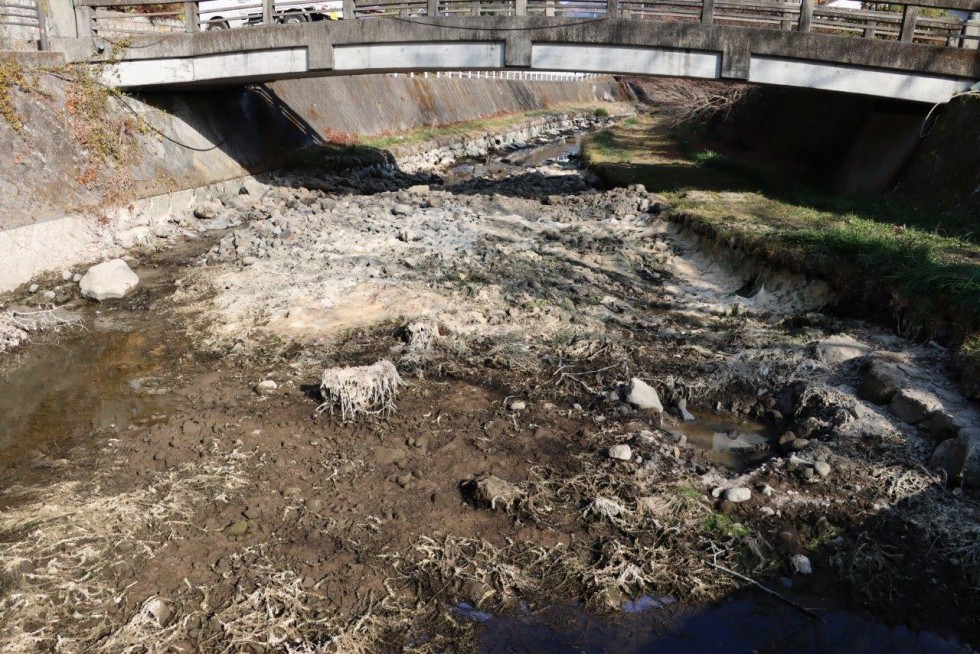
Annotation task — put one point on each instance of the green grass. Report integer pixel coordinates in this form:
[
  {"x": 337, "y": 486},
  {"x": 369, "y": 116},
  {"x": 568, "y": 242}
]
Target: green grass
[
  {"x": 473, "y": 128},
  {"x": 720, "y": 524},
  {"x": 922, "y": 264}
]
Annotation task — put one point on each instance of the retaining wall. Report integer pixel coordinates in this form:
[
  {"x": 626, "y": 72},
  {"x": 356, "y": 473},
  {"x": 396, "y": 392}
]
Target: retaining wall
[{"x": 57, "y": 208}]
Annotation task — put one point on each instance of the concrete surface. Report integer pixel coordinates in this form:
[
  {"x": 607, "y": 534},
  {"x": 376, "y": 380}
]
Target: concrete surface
[{"x": 872, "y": 67}]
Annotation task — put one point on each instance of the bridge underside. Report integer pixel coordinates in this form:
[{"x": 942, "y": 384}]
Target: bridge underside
[{"x": 879, "y": 68}]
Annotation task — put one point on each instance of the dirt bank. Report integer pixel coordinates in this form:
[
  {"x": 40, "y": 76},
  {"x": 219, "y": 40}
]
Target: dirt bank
[
  {"x": 535, "y": 324},
  {"x": 889, "y": 261}
]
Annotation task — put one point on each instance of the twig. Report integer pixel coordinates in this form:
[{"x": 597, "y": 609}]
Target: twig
[{"x": 770, "y": 591}]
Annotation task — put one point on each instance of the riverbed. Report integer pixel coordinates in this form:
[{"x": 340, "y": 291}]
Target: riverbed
[{"x": 160, "y": 493}]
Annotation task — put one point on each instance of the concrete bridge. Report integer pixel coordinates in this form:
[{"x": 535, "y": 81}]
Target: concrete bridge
[{"x": 918, "y": 54}]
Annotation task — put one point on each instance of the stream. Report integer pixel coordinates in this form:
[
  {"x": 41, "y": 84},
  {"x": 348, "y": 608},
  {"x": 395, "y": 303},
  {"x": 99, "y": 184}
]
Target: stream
[{"x": 118, "y": 377}]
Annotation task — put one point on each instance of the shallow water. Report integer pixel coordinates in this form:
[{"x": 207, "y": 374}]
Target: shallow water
[
  {"x": 730, "y": 441},
  {"x": 69, "y": 385},
  {"x": 745, "y": 624}
]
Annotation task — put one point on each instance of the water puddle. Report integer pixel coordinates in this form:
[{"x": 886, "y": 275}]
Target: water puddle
[
  {"x": 730, "y": 441},
  {"x": 70, "y": 385},
  {"x": 738, "y": 625}
]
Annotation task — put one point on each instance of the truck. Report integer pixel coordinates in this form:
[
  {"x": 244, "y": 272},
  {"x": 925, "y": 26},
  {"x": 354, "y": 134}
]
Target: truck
[{"x": 225, "y": 14}]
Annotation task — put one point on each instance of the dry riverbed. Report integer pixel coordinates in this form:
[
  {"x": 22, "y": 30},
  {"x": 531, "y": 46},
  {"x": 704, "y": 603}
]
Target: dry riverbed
[{"x": 587, "y": 406}]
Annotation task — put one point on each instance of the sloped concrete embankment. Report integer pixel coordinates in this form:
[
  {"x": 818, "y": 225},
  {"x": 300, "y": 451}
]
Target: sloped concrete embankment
[{"x": 63, "y": 201}]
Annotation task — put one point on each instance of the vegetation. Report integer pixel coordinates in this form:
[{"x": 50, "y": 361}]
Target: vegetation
[
  {"x": 471, "y": 128},
  {"x": 12, "y": 77},
  {"x": 922, "y": 265}
]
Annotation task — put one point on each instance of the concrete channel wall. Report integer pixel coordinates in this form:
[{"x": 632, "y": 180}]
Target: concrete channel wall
[{"x": 58, "y": 209}]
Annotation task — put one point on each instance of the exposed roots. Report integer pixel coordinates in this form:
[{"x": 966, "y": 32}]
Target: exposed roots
[
  {"x": 360, "y": 390},
  {"x": 16, "y": 325}
]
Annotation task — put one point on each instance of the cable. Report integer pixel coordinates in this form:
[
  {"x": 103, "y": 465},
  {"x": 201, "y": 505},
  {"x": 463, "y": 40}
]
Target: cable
[{"x": 141, "y": 118}]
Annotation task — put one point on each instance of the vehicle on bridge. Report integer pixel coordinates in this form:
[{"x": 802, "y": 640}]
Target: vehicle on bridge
[{"x": 224, "y": 14}]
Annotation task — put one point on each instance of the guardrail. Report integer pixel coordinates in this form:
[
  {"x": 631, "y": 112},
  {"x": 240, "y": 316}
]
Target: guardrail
[
  {"x": 27, "y": 14},
  {"x": 522, "y": 75},
  {"x": 947, "y": 23}
]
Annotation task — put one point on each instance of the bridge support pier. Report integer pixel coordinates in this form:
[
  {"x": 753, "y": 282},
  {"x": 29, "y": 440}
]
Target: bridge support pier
[{"x": 517, "y": 50}]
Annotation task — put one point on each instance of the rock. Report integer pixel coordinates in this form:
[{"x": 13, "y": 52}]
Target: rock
[
  {"x": 643, "y": 396},
  {"x": 109, "y": 280},
  {"x": 799, "y": 444},
  {"x": 266, "y": 386},
  {"x": 835, "y": 350},
  {"x": 49, "y": 295},
  {"x": 517, "y": 405},
  {"x": 401, "y": 210},
  {"x": 914, "y": 406},
  {"x": 404, "y": 480},
  {"x": 801, "y": 564},
  {"x": 418, "y": 189},
  {"x": 686, "y": 415},
  {"x": 207, "y": 210},
  {"x": 881, "y": 381},
  {"x": 66, "y": 275},
  {"x": 492, "y": 491},
  {"x": 738, "y": 494},
  {"x": 621, "y": 452},
  {"x": 822, "y": 468},
  {"x": 33, "y": 288},
  {"x": 158, "y": 610},
  {"x": 786, "y": 441},
  {"x": 960, "y": 458},
  {"x": 76, "y": 278},
  {"x": 943, "y": 426}
]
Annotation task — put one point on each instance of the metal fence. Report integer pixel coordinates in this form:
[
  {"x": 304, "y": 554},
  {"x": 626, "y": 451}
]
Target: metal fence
[
  {"x": 522, "y": 75},
  {"x": 25, "y": 16},
  {"x": 946, "y": 23}
]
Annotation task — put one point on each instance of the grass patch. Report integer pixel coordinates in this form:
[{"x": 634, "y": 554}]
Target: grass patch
[
  {"x": 923, "y": 265},
  {"x": 724, "y": 526},
  {"x": 473, "y": 128}
]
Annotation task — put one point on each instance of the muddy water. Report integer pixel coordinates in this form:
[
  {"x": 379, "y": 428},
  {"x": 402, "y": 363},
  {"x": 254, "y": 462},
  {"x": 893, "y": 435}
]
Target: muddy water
[
  {"x": 95, "y": 381},
  {"x": 731, "y": 441},
  {"x": 108, "y": 377}
]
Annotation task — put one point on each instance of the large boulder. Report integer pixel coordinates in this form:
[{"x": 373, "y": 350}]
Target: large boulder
[
  {"x": 960, "y": 458},
  {"x": 109, "y": 280},
  {"x": 914, "y": 406},
  {"x": 881, "y": 381},
  {"x": 837, "y": 349}
]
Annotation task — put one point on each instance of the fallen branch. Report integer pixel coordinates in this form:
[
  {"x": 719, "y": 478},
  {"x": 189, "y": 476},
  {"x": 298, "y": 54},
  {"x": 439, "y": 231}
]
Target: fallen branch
[{"x": 770, "y": 591}]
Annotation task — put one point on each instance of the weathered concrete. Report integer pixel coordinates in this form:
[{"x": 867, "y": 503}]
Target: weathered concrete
[
  {"x": 866, "y": 66},
  {"x": 368, "y": 104},
  {"x": 51, "y": 219}
]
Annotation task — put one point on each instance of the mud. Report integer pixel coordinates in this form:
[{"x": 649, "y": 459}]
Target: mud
[{"x": 146, "y": 469}]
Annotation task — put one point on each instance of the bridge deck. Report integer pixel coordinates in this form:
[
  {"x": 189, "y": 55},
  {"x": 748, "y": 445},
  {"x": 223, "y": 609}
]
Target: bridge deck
[{"x": 922, "y": 53}]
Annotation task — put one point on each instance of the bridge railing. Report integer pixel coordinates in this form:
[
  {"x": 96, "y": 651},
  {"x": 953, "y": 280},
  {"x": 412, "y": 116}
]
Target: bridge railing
[
  {"x": 26, "y": 18},
  {"x": 947, "y": 23}
]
